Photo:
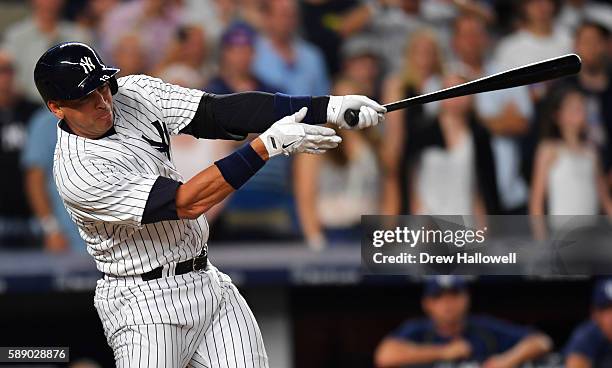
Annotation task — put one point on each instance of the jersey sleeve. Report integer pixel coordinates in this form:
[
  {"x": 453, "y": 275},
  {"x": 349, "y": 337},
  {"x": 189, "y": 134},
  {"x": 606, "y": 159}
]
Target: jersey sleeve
[
  {"x": 410, "y": 330},
  {"x": 507, "y": 334},
  {"x": 585, "y": 341},
  {"x": 96, "y": 191},
  {"x": 174, "y": 104}
]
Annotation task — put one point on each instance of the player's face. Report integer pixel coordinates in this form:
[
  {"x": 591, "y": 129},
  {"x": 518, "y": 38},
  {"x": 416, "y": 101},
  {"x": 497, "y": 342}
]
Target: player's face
[
  {"x": 448, "y": 308},
  {"x": 90, "y": 116},
  {"x": 603, "y": 318}
]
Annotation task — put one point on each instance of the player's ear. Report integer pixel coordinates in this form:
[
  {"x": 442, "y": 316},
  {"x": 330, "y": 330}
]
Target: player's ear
[{"x": 55, "y": 108}]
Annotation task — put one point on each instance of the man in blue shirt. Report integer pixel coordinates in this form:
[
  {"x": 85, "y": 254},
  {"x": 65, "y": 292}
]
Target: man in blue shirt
[
  {"x": 284, "y": 60},
  {"x": 591, "y": 343},
  {"x": 452, "y": 337},
  {"x": 60, "y": 233}
]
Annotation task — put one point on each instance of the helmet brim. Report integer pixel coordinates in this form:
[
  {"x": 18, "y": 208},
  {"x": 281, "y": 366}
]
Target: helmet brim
[{"x": 93, "y": 81}]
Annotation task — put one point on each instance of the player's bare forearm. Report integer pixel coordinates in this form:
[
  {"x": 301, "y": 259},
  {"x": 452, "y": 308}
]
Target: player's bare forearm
[
  {"x": 201, "y": 192},
  {"x": 36, "y": 190},
  {"x": 208, "y": 188},
  {"x": 394, "y": 352},
  {"x": 575, "y": 360},
  {"x": 260, "y": 148},
  {"x": 531, "y": 347}
]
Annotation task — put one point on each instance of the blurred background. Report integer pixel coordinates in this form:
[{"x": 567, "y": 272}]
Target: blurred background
[{"x": 290, "y": 237}]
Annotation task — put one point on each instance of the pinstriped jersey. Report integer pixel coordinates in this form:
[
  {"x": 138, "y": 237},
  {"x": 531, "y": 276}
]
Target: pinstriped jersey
[{"x": 105, "y": 182}]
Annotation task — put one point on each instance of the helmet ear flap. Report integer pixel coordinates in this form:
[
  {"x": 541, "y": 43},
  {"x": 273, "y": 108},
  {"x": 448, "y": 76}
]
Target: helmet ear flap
[{"x": 114, "y": 87}]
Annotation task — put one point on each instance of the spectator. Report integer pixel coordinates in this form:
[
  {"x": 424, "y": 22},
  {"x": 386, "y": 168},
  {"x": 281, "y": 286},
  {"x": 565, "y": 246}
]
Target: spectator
[
  {"x": 214, "y": 15},
  {"x": 450, "y": 334},
  {"x": 28, "y": 39},
  {"x": 506, "y": 114},
  {"x": 453, "y": 146},
  {"x": 391, "y": 26},
  {"x": 155, "y": 20},
  {"x": 189, "y": 50},
  {"x": 567, "y": 174},
  {"x": 420, "y": 74},
  {"x": 59, "y": 232},
  {"x": 595, "y": 83},
  {"x": 575, "y": 12},
  {"x": 15, "y": 111},
  {"x": 285, "y": 60},
  {"x": 236, "y": 57},
  {"x": 324, "y": 25},
  {"x": 333, "y": 191},
  {"x": 129, "y": 54},
  {"x": 391, "y": 22},
  {"x": 537, "y": 39},
  {"x": 361, "y": 67},
  {"x": 89, "y": 14},
  {"x": 590, "y": 345},
  {"x": 264, "y": 206}
]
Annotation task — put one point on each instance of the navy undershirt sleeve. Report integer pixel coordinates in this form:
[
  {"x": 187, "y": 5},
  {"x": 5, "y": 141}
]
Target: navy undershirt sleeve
[
  {"x": 234, "y": 116},
  {"x": 161, "y": 203}
]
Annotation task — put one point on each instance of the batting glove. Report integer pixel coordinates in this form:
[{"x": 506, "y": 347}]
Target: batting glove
[
  {"x": 288, "y": 136},
  {"x": 370, "y": 112}
]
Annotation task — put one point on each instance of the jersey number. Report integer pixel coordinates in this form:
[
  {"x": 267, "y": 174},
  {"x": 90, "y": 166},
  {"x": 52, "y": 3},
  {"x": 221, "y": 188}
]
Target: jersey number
[{"x": 164, "y": 145}]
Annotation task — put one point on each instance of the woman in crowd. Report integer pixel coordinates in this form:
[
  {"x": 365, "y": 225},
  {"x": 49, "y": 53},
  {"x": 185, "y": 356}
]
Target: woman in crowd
[
  {"x": 567, "y": 173},
  {"x": 334, "y": 190},
  {"x": 420, "y": 74},
  {"x": 452, "y": 167}
]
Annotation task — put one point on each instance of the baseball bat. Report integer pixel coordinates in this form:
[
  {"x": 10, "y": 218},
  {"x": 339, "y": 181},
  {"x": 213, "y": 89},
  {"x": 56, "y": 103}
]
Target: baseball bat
[{"x": 527, "y": 74}]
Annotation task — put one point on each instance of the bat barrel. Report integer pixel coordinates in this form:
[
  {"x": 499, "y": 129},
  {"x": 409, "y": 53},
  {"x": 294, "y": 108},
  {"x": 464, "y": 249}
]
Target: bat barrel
[{"x": 533, "y": 73}]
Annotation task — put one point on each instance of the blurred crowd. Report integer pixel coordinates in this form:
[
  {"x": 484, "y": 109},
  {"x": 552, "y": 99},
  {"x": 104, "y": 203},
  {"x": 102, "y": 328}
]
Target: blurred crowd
[{"x": 543, "y": 149}]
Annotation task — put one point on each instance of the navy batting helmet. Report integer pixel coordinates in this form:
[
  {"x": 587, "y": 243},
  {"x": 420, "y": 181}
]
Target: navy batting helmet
[{"x": 71, "y": 70}]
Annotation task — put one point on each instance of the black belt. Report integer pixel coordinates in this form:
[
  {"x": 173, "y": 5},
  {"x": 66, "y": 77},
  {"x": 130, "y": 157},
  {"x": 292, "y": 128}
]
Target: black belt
[{"x": 194, "y": 264}]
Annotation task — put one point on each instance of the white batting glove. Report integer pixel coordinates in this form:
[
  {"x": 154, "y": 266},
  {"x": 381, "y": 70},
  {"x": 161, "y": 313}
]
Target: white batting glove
[
  {"x": 289, "y": 136},
  {"x": 370, "y": 112}
]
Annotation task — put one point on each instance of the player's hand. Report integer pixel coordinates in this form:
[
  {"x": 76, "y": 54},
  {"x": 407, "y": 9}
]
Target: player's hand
[
  {"x": 370, "y": 112},
  {"x": 56, "y": 242},
  {"x": 456, "y": 349},
  {"x": 497, "y": 361},
  {"x": 288, "y": 136}
]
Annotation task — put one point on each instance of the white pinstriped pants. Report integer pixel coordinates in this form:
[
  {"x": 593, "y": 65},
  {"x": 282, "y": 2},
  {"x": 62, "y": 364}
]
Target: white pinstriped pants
[{"x": 198, "y": 319}]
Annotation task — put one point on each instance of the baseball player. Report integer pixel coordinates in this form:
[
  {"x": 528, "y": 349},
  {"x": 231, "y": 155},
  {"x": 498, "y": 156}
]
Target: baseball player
[{"x": 161, "y": 303}]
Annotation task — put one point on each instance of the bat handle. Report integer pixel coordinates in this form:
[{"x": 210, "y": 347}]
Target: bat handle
[{"x": 351, "y": 117}]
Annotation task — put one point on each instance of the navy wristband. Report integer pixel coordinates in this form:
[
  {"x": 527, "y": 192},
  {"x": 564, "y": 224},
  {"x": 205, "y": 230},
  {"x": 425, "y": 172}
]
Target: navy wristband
[
  {"x": 285, "y": 105},
  {"x": 240, "y": 166}
]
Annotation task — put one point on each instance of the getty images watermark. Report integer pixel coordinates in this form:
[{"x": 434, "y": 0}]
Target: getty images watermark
[{"x": 496, "y": 245}]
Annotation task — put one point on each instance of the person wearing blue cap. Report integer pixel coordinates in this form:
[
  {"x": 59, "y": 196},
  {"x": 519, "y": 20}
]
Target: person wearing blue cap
[
  {"x": 264, "y": 208},
  {"x": 236, "y": 57},
  {"x": 450, "y": 335},
  {"x": 590, "y": 345}
]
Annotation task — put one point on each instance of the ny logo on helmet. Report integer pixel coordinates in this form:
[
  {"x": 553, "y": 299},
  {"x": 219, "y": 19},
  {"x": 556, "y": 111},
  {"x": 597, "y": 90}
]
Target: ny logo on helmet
[{"x": 87, "y": 64}]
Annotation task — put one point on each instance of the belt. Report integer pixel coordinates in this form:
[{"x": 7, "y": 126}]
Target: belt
[{"x": 194, "y": 264}]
